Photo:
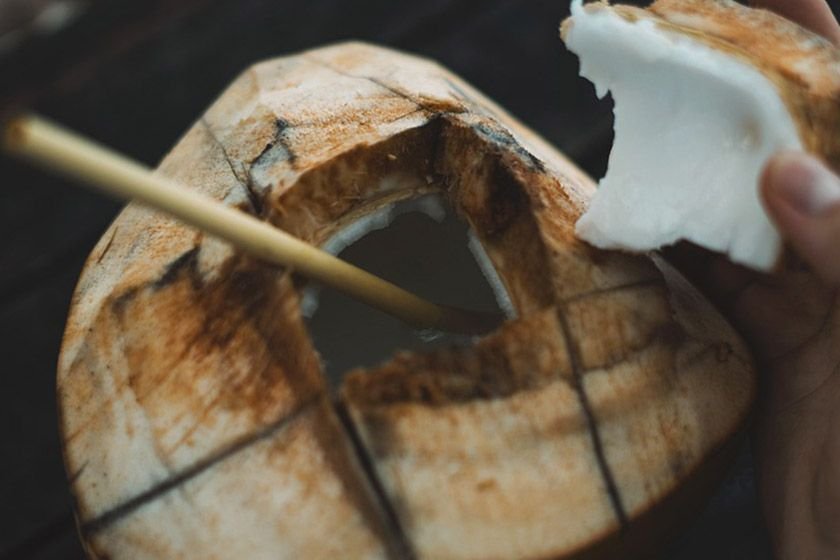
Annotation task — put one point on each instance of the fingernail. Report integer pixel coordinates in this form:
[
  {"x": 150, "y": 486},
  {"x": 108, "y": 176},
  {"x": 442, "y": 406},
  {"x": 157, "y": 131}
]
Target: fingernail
[{"x": 804, "y": 183}]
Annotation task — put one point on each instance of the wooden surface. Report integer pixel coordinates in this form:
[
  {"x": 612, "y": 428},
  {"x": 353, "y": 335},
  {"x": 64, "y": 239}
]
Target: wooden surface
[{"x": 135, "y": 75}]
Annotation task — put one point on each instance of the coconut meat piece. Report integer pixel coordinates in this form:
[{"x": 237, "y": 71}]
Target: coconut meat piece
[{"x": 693, "y": 128}]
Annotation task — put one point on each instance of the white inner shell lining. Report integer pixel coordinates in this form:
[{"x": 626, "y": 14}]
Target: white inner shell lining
[{"x": 693, "y": 128}]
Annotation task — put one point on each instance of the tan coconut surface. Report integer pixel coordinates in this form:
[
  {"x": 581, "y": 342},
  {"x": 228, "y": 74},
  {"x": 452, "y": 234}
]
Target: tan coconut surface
[{"x": 195, "y": 416}]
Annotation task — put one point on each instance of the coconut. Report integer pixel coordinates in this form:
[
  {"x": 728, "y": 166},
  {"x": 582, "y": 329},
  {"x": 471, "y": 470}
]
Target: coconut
[
  {"x": 705, "y": 91},
  {"x": 195, "y": 416}
]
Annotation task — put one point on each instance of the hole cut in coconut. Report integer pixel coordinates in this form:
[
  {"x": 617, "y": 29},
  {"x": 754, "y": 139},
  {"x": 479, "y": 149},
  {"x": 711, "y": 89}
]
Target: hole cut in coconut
[{"x": 420, "y": 245}]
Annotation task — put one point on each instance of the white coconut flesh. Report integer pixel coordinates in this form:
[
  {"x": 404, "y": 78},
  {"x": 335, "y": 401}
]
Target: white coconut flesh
[{"x": 694, "y": 127}]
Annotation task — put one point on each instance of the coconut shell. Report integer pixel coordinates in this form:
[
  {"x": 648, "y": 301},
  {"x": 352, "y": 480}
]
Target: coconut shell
[{"x": 195, "y": 416}]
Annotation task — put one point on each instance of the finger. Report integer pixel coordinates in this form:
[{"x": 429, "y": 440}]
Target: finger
[
  {"x": 812, "y": 14},
  {"x": 802, "y": 196}
]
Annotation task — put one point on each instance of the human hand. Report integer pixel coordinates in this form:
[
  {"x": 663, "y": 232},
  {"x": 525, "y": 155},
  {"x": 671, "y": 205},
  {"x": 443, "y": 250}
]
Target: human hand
[{"x": 792, "y": 322}]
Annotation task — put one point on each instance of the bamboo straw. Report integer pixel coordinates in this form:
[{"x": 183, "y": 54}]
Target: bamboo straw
[{"x": 38, "y": 140}]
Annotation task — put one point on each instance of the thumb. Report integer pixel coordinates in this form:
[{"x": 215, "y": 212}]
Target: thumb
[{"x": 803, "y": 197}]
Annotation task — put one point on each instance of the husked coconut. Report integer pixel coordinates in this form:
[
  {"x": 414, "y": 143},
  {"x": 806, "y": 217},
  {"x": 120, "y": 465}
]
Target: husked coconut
[
  {"x": 197, "y": 421},
  {"x": 705, "y": 91}
]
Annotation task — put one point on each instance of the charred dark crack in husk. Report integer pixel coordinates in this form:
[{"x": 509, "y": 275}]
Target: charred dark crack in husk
[
  {"x": 186, "y": 262},
  {"x": 266, "y": 156},
  {"x": 253, "y": 196},
  {"x": 223, "y": 150},
  {"x": 281, "y": 127},
  {"x": 244, "y": 182},
  {"x": 500, "y": 136}
]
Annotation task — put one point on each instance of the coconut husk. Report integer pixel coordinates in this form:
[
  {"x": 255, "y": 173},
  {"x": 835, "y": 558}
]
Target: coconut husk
[{"x": 197, "y": 422}]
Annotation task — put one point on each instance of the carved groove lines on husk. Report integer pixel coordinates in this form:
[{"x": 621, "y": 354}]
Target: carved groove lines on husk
[
  {"x": 591, "y": 420},
  {"x": 113, "y": 515},
  {"x": 399, "y": 545}
]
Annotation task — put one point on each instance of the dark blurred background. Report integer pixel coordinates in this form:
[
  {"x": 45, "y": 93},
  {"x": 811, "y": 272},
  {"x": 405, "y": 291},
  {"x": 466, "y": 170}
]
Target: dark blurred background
[{"x": 135, "y": 75}]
